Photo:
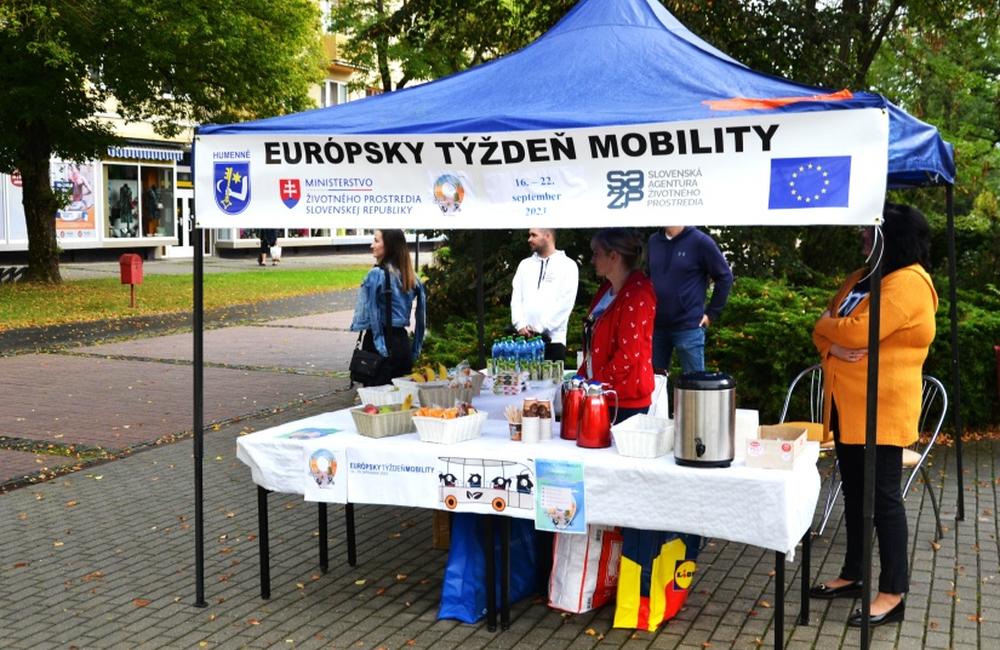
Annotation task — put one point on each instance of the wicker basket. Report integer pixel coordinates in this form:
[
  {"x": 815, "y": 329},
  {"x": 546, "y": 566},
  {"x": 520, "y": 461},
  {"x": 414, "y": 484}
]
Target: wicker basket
[
  {"x": 450, "y": 431},
  {"x": 409, "y": 387},
  {"x": 381, "y": 395},
  {"x": 380, "y": 425},
  {"x": 644, "y": 436},
  {"x": 445, "y": 396}
]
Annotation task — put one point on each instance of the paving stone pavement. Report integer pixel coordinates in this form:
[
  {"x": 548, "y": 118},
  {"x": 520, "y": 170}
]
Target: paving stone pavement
[{"x": 104, "y": 557}]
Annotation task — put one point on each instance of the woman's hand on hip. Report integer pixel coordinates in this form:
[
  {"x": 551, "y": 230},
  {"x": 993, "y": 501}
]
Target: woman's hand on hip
[{"x": 850, "y": 355}]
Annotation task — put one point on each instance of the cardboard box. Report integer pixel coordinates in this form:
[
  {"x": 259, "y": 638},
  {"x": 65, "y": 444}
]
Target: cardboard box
[{"x": 776, "y": 446}]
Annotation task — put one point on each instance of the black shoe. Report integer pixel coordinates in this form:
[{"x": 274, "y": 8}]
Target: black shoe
[
  {"x": 894, "y": 615},
  {"x": 850, "y": 590}
]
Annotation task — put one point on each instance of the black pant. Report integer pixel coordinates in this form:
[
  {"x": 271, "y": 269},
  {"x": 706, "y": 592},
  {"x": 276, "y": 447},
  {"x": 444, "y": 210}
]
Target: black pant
[
  {"x": 555, "y": 352},
  {"x": 889, "y": 513},
  {"x": 400, "y": 355}
]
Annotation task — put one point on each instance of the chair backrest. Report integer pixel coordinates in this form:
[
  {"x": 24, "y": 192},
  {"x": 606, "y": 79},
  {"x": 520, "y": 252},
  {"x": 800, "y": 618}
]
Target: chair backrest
[
  {"x": 814, "y": 375},
  {"x": 933, "y": 409}
]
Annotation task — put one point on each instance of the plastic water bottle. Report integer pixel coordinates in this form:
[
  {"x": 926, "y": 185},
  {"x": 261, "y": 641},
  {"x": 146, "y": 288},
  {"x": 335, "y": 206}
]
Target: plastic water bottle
[
  {"x": 521, "y": 354},
  {"x": 494, "y": 352}
]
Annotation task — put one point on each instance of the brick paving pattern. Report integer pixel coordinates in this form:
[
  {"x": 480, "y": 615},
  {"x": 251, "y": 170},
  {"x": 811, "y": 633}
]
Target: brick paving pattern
[
  {"x": 310, "y": 350},
  {"x": 115, "y": 404},
  {"x": 18, "y": 464}
]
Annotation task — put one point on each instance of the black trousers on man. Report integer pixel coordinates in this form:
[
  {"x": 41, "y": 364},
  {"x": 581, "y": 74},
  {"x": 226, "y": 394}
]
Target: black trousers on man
[
  {"x": 890, "y": 514},
  {"x": 555, "y": 352}
]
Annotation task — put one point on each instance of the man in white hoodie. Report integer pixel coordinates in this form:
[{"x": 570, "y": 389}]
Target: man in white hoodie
[{"x": 544, "y": 293}]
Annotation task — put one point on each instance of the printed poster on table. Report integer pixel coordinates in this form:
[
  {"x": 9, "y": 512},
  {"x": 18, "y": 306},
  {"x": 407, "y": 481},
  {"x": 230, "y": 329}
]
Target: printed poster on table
[
  {"x": 324, "y": 472},
  {"x": 559, "y": 501}
]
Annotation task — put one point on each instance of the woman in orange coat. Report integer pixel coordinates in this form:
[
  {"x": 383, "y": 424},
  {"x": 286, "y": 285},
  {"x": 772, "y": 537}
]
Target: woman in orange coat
[{"x": 906, "y": 330}]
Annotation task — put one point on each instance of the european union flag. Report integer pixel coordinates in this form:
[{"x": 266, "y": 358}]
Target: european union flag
[{"x": 821, "y": 182}]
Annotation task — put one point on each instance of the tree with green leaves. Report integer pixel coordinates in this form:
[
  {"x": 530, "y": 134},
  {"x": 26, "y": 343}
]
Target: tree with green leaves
[
  {"x": 396, "y": 42},
  {"x": 172, "y": 64}
]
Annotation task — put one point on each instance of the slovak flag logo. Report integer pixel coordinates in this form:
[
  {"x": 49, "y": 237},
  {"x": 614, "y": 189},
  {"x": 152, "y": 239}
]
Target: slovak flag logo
[{"x": 291, "y": 191}]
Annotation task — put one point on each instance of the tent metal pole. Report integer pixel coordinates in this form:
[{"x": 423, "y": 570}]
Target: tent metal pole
[
  {"x": 197, "y": 326},
  {"x": 480, "y": 300},
  {"x": 956, "y": 382},
  {"x": 871, "y": 437}
]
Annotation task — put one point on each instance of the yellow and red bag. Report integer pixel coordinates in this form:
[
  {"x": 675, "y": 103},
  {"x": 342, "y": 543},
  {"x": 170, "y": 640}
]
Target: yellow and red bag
[{"x": 655, "y": 574}]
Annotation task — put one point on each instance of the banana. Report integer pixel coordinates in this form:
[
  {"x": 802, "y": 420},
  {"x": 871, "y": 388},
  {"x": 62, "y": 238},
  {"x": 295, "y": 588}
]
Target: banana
[
  {"x": 442, "y": 371},
  {"x": 418, "y": 377},
  {"x": 407, "y": 402},
  {"x": 428, "y": 373}
]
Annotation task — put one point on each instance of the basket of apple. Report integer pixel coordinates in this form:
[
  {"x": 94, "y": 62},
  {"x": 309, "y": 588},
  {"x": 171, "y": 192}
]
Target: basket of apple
[{"x": 385, "y": 420}]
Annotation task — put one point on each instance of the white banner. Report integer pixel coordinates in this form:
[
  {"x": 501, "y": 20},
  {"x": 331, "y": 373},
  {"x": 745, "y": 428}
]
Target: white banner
[{"x": 822, "y": 167}]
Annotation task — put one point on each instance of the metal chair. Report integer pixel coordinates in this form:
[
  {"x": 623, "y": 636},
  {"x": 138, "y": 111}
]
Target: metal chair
[
  {"x": 814, "y": 396},
  {"x": 933, "y": 409}
]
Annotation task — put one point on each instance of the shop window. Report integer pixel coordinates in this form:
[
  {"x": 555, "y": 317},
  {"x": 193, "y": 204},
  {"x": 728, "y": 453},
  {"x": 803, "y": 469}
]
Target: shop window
[
  {"x": 121, "y": 200},
  {"x": 157, "y": 201}
]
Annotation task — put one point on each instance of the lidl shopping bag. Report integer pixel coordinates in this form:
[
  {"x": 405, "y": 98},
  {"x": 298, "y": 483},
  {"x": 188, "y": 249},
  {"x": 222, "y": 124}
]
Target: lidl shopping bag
[
  {"x": 655, "y": 574},
  {"x": 463, "y": 595},
  {"x": 585, "y": 569}
]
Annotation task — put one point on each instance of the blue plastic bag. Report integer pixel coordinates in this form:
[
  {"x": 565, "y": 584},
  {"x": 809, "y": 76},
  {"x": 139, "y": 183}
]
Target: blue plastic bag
[{"x": 463, "y": 594}]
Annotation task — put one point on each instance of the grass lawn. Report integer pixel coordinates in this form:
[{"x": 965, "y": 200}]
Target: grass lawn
[{"x": 27, "y": 304}]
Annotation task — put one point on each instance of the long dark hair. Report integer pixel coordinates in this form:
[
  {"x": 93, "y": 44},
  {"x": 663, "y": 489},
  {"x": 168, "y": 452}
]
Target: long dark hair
[
  {"x": 907, "y": 238},
  {"x": 397, "y": 255}
]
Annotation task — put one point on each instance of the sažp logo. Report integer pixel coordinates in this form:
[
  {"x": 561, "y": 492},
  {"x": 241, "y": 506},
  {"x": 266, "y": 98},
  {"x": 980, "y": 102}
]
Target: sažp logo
[
  {"x": 232, "y": 186},
  {"x": 624, "y": 187}
]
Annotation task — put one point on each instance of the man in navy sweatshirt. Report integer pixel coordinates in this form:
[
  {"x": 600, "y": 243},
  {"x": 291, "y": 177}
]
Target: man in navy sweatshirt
[{"x": 681, "y": 262}]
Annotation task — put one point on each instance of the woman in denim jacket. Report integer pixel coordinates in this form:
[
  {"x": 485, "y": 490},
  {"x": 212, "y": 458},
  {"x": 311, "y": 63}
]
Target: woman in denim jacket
[{"x": 392, "y": 342}]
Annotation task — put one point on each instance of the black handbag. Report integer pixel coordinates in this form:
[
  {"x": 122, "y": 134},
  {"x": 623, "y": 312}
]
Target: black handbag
[{"x": 367, "y": 367}]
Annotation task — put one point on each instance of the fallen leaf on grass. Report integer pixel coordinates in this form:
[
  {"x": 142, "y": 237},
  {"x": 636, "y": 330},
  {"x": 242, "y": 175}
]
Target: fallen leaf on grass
[
  {"x": 22, "y": 516},
  {"x": 935, "y": 546},
  {"x": 253, "y": 621},
  {"x": 380, "y": 591},
  {"x": 706, "y": 644},
  {"x": 203, "y": 644},
  {"x": 71, "y": 504},
  {"x": 21, "y": 565},
  {"x": 141, "y": 602},
  {"x": 933, "y": 625},
  {"x": 57, "y": 544},
  {"x": 360, "y": 582},
  {"x": 975, "y": 618},
  {"x": 93, "y": 575},
  {"x": 300, "y": 585},
  {"x": 401, "y": 577},
  {"x": 230, "y": 515},
  {"x": 590, "y": 631},
  {"x": 765, "y": 604}
]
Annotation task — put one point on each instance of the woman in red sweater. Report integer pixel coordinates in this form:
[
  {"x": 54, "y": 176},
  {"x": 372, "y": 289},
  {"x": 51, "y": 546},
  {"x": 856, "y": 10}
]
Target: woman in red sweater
[{"x": 618, "y": 333}]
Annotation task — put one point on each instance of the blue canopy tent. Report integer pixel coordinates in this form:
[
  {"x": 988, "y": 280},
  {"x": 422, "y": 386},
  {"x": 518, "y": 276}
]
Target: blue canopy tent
[{"x": 607, "y": 63}]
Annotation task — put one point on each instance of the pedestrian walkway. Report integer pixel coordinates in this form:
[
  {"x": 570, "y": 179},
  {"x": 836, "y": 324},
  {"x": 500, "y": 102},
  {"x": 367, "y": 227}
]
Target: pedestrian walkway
[{"x": 103, "y": 557}]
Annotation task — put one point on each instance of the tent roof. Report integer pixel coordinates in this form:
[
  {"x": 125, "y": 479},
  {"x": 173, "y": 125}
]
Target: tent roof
[{"x": 608, "y": 62}]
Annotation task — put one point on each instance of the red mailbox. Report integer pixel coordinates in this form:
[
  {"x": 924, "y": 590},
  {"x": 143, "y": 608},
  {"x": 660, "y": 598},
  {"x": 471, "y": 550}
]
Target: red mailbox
[{"x": 131, "y": 268}]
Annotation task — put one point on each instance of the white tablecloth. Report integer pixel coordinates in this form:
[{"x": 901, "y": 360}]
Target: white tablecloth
[{"x": 767, "y": 508}]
